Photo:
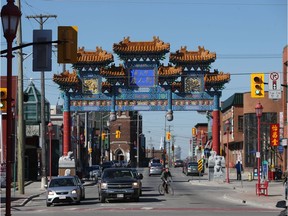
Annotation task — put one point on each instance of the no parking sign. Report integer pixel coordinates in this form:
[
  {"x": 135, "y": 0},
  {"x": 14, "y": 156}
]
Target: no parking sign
[{"x": 274, "y": 86}]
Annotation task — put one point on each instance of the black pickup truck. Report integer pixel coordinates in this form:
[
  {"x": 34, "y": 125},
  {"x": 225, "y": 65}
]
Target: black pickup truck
[{"x": 118, "y": 184}]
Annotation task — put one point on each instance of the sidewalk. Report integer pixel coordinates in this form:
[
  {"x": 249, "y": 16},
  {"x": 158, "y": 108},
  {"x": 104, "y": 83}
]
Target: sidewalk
[
  {"x": 32, "y": 189},
  {"x": 244, "y": 191}
]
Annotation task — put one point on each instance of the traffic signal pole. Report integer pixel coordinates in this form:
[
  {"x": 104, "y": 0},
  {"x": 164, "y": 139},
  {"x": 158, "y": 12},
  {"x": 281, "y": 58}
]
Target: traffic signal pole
[{"x": 41, "y": 19}]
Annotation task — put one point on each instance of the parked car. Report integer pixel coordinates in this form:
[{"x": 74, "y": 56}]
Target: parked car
[
  {"x": 116, "y": 163},
  {"x": 64, "y": 189},
  {"x": 95, "y": 172},
  {"x": 3, "y": 181},
  {"x": 178, "y": 163},
  {"x": 154, "y": 160},
  {"x": 118, "y": 184},
  {"x": 107, "y": 164},
  {"x": 191, "y": 168},
  {"x": 155, "y": 169}
]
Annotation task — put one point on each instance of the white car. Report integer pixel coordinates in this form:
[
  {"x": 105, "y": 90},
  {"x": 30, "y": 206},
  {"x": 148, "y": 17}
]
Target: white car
[{"x": 64, "y": 189}]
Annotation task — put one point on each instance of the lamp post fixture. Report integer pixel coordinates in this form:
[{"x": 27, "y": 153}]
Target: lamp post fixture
[
  {"x": 227, "y": 123},
  {"x": 50, "y": 133},
  {"x": 10, "y": 16},
  {"x": 258, "y": 111}
]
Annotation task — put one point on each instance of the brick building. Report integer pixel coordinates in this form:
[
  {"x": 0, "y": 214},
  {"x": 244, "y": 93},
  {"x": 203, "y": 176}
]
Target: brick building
[
  {"x": 239, "y": 111},
  {"x": 125, "y": 147}
]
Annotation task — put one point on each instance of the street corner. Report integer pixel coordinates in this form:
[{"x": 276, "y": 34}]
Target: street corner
[
  {"x": 15, "y": 201},
  {"x": 246, "y": 198}
]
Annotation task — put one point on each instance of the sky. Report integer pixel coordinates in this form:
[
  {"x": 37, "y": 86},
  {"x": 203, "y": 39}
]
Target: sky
[{"x": 248, "y": 36}]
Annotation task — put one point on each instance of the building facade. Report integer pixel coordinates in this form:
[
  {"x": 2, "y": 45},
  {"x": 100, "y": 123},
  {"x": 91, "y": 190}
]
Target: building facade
[{"x": 242, "y": 134}]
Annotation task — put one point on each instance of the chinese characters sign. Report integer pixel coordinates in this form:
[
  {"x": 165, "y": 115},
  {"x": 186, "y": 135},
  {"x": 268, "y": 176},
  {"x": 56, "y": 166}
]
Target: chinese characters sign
[
  {"x": 274, "y": 134},
  {"x": 142, "y": 78}
]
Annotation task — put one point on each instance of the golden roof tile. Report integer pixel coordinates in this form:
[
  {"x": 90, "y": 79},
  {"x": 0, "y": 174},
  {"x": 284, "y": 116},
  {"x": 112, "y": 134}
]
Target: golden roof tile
[
  {"x": 217, "y": 78},
  {"x": 127, "y": 46},
  {"x": 113, "y": 71},
  {"x": 183, "y": 55},
  {"x": 97, "y": 56},
  {"x": 169, "y": 71},
  {"x": 66, "y": 78}
]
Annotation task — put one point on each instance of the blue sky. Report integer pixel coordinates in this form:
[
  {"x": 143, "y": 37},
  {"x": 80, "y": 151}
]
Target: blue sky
[{"x": 247, "y": 35}]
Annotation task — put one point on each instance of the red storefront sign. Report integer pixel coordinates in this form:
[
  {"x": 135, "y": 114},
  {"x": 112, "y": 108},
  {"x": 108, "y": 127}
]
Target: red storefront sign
[{"x": 274, "y": 134}]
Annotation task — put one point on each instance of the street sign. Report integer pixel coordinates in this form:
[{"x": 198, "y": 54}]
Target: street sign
[
  {"x": 200, "y": 165},
  {"x": 274, "y": 85},
  {"x": 274, "y": 134}
]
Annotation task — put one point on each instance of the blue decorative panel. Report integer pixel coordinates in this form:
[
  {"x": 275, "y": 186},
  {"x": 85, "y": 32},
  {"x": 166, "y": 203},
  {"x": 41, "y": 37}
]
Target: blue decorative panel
[{"x": 142, "y": 77}]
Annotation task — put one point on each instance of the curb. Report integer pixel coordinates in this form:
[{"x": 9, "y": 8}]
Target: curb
[
  {"x": 248, "y": 202},
  {"x": 28, "y": 199}
]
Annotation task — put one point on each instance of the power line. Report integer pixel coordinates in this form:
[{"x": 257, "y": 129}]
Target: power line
[{"x": 177, "y": 2}]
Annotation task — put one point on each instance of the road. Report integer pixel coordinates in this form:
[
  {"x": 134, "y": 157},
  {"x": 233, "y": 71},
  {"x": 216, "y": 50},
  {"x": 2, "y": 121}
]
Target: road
[{"x": 195, "y": 200}]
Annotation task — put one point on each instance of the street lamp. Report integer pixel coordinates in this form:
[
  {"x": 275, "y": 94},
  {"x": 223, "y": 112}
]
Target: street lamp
[
  {"x": 258, "y": 111},
  {"x": 164, "y": 140},
  {"x": 10, "y": 16},
  {"x": 50, "y": 132},
  {"x": 227, "y": 123}
]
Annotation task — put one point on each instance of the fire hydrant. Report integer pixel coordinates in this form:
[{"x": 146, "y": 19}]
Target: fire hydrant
[{"x": 249, "y": 176}]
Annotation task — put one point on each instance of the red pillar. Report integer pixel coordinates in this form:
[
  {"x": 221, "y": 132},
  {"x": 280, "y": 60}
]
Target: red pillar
[
  {"x": 216, "y": 131},
  {"x": 66, "y": 132}
]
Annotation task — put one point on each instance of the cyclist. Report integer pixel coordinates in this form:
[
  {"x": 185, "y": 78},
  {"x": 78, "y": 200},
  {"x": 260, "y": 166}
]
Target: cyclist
[{"x": 164, "y": 177}]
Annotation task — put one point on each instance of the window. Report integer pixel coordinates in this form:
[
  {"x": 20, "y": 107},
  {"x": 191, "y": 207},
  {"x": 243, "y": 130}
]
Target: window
[{"x": 240, "y": 123}]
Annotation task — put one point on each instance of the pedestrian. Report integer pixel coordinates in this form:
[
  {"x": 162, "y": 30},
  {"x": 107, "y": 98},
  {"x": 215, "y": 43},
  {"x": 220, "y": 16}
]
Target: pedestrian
[
  {"x": 239, "y": 169},
  {"x": 285, "y": 184}
]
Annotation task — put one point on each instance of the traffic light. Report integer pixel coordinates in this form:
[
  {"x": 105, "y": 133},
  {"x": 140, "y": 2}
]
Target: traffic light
[
  {"x": 257, "y": 85},
  {"x": 168, "y": 136},
  {"x": 67, "y": 46},
  {"x": 193, "y": 131},
  {"x": 3, "y": 99},
  {"x": 118, "y": 133},
  {"x": 103, "y": 135}
]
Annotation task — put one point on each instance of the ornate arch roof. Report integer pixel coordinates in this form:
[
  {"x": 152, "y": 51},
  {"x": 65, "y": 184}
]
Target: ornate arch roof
[
  {"x": 98, "y": 56},
  {"x": 216, "y": 80},
  {"x": 184, "y": 56},
  {"x": 128, "y": 47},
  {"x": 67, "y": 80},
  {"x": 169, "y": 70},
  {"x": 113, "y": 71}
]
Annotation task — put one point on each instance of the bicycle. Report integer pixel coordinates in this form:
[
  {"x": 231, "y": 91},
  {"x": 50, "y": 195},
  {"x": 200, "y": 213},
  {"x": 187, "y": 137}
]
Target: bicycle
[{"x": 169, "y": 189}]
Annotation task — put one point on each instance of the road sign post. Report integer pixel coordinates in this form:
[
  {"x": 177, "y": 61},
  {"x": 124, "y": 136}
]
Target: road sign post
[{"x": 274, "y": 86}]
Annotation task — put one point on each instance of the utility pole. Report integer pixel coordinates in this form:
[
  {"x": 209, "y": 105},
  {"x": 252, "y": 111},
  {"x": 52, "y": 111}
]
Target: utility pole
[
  {"x": 20, "y": 127},
  {"x": 77, "y": 144},
  {"x": 41, "y": 19}
]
